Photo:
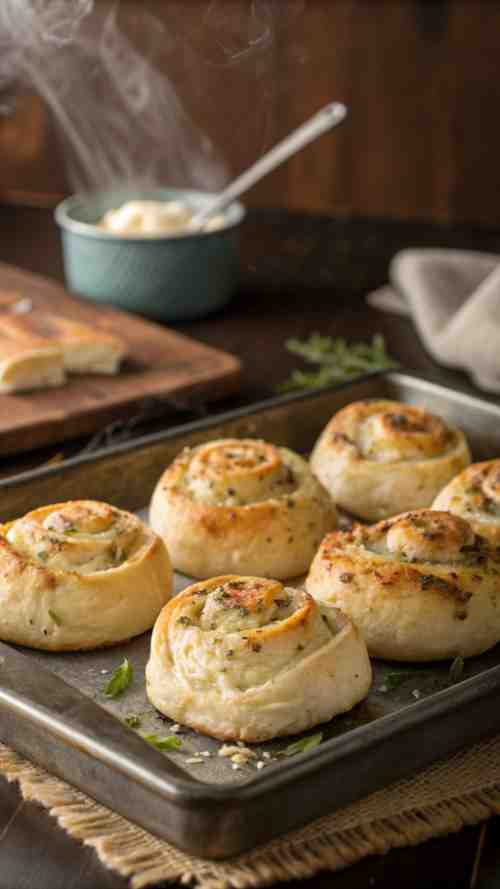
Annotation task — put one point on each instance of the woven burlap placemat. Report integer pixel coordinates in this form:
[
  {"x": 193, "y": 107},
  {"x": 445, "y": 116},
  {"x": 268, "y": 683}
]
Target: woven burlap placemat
[{"x": 444, "y": 798}]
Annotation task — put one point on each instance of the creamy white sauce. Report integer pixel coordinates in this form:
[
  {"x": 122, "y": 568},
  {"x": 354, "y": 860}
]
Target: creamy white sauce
[{"x": 153, "y": 218}]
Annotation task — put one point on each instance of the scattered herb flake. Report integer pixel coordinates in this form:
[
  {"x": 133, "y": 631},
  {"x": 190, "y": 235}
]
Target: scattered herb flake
[
  {"x": 120, "y": 680},
  {"x": 394, "y": 680},
  {"x": 132, "y": 720},
  {"x": 169, "y": 742},
  {"x": 337, "y": 360},
  {"x": 456, "y": 669},
  {"x": 303, "y": 744},
  {"x": 55, "y": 617}
]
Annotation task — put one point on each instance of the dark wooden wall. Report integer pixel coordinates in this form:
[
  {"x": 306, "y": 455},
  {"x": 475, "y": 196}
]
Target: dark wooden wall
[{"x": 421, "y": 78}]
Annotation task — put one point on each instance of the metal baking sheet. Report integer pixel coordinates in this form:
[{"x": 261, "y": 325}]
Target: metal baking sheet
[{"x": 53, "y": 708}]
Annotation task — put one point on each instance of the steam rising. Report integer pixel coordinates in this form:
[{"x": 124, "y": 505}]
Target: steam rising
[{"x": 121, "y": 119}]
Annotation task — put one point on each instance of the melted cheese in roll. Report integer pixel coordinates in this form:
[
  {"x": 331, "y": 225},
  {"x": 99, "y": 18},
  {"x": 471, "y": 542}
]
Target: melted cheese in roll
[
  {"x": 80, "y": 575},
  {"x": 241, "y": 505},
  {"x": 420, "y": 586},
  {"x": 379, "y": 458},
  {"x": 474, "y": 494},
  {"x": 247, "y": 658}
]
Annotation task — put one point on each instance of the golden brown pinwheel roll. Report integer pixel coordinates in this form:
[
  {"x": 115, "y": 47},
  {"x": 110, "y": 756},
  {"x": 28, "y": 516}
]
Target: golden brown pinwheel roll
[
  {"x": 420, "y": 586},
  {"x": 247, "y": 658},
  {"x": 78, "y": 575},
  {"x": 474, "y": 494},
  {"x": 241, "y": 505},
  {"x": 379, "y": 458}
]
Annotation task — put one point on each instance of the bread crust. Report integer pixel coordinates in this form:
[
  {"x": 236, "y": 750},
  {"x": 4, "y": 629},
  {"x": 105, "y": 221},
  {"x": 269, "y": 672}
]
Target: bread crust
[
  {"x": 80, "y": 575},
  {"x": 36, "y": 348},
  {"x": 378, "y": 458},
  {"x": 85, "y": 349},
  {"x": 27, "y": 360},
  {"x": 420, "y": 586},
  {"x": 245, "y": 658},
  {"x": 243, "y": 506},
  {"x": 474, "y": 495}
]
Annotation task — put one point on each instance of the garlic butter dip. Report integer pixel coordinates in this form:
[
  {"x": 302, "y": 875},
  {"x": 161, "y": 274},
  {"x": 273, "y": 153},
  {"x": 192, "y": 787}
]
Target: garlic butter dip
[{"x": 150, "y": 218}]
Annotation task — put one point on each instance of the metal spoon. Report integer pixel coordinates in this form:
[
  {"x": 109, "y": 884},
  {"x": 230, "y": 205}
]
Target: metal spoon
[{"x": 329, "y": 116}]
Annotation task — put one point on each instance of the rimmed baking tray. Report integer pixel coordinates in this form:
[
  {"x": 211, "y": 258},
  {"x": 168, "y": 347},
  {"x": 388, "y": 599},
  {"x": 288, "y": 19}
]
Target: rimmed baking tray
[{"x": 53, "y": 710}]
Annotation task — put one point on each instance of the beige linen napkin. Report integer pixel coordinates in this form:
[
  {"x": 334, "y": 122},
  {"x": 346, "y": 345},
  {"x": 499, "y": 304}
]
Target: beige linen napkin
[
  {"x": 453, "y": 297},
  {"x": 452, "y": 793}
]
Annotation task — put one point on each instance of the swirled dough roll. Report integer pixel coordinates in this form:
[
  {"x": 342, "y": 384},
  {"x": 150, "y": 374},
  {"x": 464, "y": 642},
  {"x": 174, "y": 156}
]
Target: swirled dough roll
[
  {"x": 241, "y": 505},
  {"x": 80, "y": 575},
  {"x": 247, "y": 658},
  {"x": 379, "y": 458},
  {"x": 420, "y": 586},
  {"x": 474, "y": 494}
]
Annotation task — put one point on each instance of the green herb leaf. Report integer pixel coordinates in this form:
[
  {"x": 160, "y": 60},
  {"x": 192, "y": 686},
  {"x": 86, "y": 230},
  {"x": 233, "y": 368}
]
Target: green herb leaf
[
  {"x": 456, "y": 669},
  {"x": 169, "y": 742},
  {"x": 43, "y": 555},
  {"x": 394, "y": 680},
  {"x": 337, "y": 360},
  {"x": 55, "y": 617},
  {"x": 120, "y": 680},
  {"x": 303, "y": 744},
  {"x": 132, "y": 720}
]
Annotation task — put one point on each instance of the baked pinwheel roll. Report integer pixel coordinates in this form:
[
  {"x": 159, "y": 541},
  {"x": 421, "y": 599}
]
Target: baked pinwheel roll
[
  {"x": 378, "y": 458},
  {"x": 474, "y": 494},
  {"x": 420, "y": 586},
  {"x": 79, "y": 575},
  {"x": 241, "y": 505},
  {"x": 247, "y": 658}
]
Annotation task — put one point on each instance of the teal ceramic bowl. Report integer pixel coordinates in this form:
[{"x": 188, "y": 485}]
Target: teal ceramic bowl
[{"x": 168, "y": 277}]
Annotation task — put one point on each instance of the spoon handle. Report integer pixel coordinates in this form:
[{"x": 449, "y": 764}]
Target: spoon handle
[{"x": 329, "y": 116}]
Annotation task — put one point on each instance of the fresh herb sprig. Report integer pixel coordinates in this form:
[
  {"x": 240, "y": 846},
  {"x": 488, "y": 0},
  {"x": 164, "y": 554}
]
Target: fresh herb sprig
[
  {"x": 120, "y": 680},
  {"x": 303, "y": 744},
  {"x": 337, "y": 360},
  {"x": 169, "y": 742},
  {"x": 55, "y": 617},
  {"x": 397, "y": 678}
]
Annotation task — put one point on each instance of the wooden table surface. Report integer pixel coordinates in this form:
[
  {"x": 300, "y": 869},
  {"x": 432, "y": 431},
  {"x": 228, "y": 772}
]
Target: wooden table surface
[{"x": 301, "y": 274}]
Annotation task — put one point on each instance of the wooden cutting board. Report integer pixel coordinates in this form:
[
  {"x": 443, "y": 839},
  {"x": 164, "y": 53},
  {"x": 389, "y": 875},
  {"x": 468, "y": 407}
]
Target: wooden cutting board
[{"x": 161, "y": 364}]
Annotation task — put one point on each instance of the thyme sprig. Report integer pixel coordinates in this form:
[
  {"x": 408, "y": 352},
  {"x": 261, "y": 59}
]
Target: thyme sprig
[{"x": 337, "y": 360}]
